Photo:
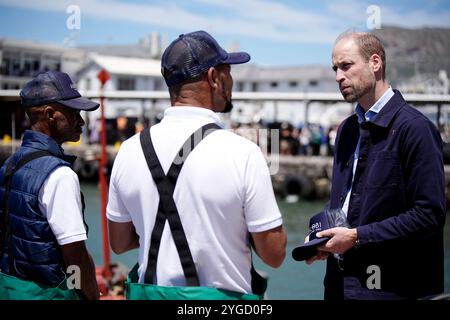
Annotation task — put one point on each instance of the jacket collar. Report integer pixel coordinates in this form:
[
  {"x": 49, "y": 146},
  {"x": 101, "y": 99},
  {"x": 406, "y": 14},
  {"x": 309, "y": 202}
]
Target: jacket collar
[
  {"x": 39, "y": 141},
  {"x": 384, "y": 118}
]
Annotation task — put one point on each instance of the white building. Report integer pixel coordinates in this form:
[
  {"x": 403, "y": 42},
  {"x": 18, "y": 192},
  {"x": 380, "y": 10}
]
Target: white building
[
  {"x": 126, "y": 74},
  {"x": 21, "y": 60},
  {"x": 137, "y": 68},
  {"x": 307, "y": 79},
  {"x": 312, "y": 78}
]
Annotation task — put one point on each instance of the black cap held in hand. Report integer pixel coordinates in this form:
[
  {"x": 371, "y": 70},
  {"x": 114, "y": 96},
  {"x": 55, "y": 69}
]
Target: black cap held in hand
[{"x": 317, "y": 223}]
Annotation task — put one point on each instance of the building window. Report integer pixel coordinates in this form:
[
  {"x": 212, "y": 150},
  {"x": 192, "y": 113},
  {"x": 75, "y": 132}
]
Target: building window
[
  {"x": 51, "y": 63},
  {"x": 11, "y": 63},
  {"x": 313, "y": 83},
  {"x": 3, "y": 69},
  {"x": 31, "y": 64},
  {"x": 240, "y": 86},
  {"x": 126, "y": 84},
  {"x": 254, "y": 86},
  {"x": 274, "y": 84},
  {"x": 293, "y": 84}
]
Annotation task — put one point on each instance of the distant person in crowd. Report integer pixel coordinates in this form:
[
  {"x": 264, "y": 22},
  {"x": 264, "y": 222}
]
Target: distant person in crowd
[
  {"x": 138, "y": 127},
  {"x": 123, "y": 129},
  {"x": 95, "y": 131},
  {"x": 191, "y": 195},
  {"x": 388, "y": 178},
  {"x": 305, "y": 136},
  {"x": 332, "y": 131},
  {"x": 289, "y": 145},
  {"x": 315, "y": 140},
  {"x": 324, "y": 142},
  {"x": 42, "y": 228}
]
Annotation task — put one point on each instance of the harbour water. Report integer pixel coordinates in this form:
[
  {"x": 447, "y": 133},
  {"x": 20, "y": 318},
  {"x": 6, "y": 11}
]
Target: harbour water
[{"x": 292, "y": 281}]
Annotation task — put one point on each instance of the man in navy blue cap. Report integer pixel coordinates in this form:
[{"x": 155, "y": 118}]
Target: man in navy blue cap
[
  {"x": 218, "y": 189},
  {"x": 42, "y": 230}
]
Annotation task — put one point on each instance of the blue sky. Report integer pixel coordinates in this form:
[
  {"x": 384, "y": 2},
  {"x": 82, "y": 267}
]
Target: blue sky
[{"x": 275, "y": 33}]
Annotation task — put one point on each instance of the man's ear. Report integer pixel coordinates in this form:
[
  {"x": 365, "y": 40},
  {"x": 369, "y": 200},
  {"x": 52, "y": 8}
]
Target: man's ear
[
  {"x": 49, "y": 113},
  {"x": 213, "y": 77},
  {"x": 375, "y": 62}
]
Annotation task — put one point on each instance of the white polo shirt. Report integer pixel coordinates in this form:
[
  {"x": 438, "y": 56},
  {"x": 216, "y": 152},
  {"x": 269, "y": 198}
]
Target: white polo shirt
[{"x": 223, "y": 192}]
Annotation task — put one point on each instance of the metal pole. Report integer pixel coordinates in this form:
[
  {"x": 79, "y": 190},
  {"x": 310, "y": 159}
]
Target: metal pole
[
  {"x": 152, "y": 113},
  {"x": 275, "y": 111},
  {"x": 103, "y": 188},
  {"x": 307, "y": 113},
  {"x": 142, "y": 115}
]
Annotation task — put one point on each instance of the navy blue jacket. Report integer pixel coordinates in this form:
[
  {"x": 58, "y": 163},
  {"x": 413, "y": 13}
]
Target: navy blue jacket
[
  {"x": 397, "y": 205},
  {"x": 35, "y": 252}
]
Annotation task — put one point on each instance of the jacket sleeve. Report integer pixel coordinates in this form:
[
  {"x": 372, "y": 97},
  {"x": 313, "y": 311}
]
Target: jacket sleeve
[{"x": 423, "y": 174}]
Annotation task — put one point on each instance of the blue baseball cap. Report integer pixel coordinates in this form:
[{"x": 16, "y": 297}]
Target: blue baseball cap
[
  {"x": 319, "y": 222},
  {"x": 54, "y": 86},
  {"x": 192, "y": 54}
]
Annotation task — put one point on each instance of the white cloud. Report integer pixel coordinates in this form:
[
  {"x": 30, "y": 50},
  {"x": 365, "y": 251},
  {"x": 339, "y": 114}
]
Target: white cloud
[
  {"x": 408, "y": 16},
  {"x": 277, "y": 21},
  {"x": 270, "y": 11},
  {"x": 353, "y": 12},
  {"x": 264, "y": 19},
  {"x": 416, "y": 18},
  {"x": 48, "y": 5}
]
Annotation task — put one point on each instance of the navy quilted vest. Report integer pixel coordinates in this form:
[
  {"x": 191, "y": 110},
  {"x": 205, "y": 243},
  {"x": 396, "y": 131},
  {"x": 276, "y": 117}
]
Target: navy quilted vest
[{"x": 35, "y": 252}]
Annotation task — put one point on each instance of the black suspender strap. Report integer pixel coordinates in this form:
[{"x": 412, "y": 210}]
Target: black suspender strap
[
  {"x": 83, "y": 208},
  {"x": 5, "y": 226},
  {"x": 167, "y": 208}
]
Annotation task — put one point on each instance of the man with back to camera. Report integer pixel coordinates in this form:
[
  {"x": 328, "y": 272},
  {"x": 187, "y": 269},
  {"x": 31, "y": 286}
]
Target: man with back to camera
[
  {"x": 388, "y": 178},
  {"x": 222, "y": 192},
  {"x": 42, "y": 229}
]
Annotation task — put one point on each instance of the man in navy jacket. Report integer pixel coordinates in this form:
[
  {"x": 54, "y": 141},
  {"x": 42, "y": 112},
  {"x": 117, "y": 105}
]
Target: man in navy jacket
[{"x": 388, "y": 178}]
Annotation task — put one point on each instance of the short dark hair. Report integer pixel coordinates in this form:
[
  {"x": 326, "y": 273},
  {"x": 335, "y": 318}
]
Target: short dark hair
[
  {"x": 174, "y": 90},
  {"x": 35, "y": 113}
]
